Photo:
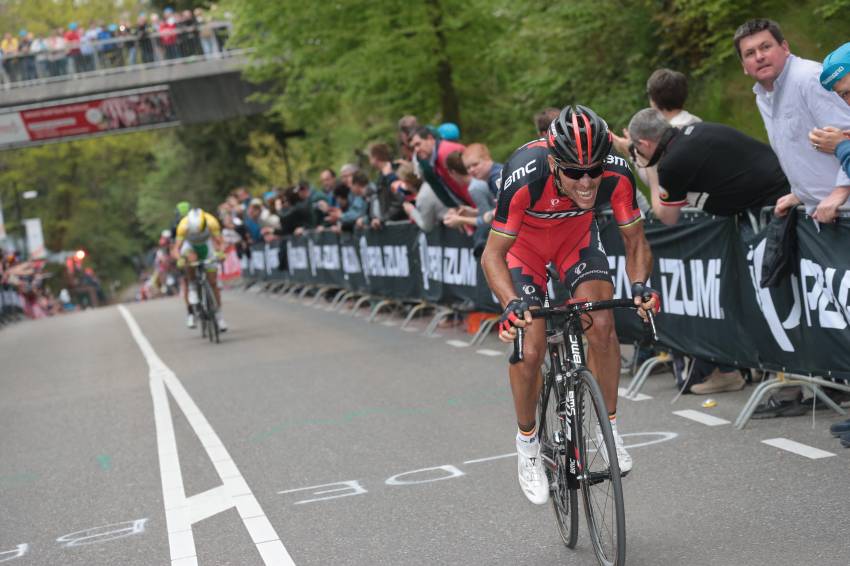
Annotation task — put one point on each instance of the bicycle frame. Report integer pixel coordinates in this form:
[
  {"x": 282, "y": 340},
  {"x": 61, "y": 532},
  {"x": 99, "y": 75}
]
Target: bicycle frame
[{"x": 567, "y": 358}]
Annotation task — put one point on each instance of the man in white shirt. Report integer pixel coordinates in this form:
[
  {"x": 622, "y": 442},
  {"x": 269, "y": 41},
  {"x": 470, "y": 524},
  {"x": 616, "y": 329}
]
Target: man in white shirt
[{"x": 792, "y": 103}]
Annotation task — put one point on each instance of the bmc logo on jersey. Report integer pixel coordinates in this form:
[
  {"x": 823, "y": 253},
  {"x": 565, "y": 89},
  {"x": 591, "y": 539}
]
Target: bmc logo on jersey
[
  {"x": 615, "y": 160},
  {"x": 519, "y": 173}
]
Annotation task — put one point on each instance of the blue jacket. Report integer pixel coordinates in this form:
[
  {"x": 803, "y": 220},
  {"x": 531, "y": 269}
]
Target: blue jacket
[
  {"x": 356, "y": 209},
  {"x": 842, "y": 152}
]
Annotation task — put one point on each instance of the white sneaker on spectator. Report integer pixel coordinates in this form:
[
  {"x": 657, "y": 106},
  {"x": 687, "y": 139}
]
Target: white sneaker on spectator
[
  {"x": 190, "y": 321},
  {"x": 222, "y": 326},
  {"x": 624, "y": 459},
  {"x": 532, "y": 477},
  {"x": 193, "y": 297}
]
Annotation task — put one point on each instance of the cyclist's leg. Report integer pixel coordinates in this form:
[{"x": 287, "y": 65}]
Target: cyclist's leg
[
  {"x": 212, "y": 275},
  {"x": 584, "y": 270},
  {"x": 187, "y": 253},
  {"x": 603, "y": 352},
  {"x": 528, "y": 272}
]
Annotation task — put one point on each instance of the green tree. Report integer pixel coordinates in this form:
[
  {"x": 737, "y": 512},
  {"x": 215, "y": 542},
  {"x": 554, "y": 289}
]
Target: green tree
[{"x": 85, "y": 196}]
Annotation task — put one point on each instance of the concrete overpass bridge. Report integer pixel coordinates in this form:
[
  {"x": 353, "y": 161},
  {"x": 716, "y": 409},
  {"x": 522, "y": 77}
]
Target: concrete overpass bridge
[{"x": 120, "y": 90}]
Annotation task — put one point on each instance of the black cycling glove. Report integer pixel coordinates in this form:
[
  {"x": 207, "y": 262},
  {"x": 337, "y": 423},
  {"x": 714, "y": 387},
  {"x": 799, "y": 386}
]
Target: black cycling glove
[
  {"x": 514, "y": 311},
  {"x": 640, "y": 289}
]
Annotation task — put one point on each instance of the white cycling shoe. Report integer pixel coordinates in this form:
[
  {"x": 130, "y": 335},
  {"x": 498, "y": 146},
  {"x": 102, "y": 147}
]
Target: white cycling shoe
[
  {"x": 532, "y": 477},
  {"x": 623, "y": 457},
  {"x": 190, "y": 321},
  {"x": 222, "y": 326}
]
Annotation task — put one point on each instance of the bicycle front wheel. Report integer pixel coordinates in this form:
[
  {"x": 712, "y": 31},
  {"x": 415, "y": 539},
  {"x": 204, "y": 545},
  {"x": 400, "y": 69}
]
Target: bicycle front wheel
[
  {"x": 600, "y": 483},
  {"x": 553, "y": 435}
]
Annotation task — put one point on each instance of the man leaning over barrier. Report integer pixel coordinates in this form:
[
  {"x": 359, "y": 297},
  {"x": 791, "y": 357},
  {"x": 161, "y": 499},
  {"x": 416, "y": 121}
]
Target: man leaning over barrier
[
  {"x": 545, "y": 213},
  {"x": 708, "y": 166}
]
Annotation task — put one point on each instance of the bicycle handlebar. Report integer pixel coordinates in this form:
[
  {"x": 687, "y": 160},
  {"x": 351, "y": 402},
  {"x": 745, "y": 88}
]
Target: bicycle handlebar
[{"x": 574, "y": 309}]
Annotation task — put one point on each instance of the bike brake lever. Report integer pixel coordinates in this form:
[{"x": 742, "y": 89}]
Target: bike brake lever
[
  {"x": 517, "y": 355},
  {"x": 650, "y": 320}
]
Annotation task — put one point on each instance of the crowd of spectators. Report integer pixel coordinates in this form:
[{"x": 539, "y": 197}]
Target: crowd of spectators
[
  {"x": 428, "y": 180},
  {"x": 83, "y": 47},
  {"x": 28, "y": 280}
]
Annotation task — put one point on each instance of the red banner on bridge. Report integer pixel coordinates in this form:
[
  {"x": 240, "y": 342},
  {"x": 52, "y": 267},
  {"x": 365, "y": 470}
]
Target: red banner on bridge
[{"x": 122, "y": 111}]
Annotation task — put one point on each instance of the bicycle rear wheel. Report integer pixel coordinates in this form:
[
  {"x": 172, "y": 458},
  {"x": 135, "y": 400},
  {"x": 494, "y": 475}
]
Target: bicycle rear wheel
[
  {"x": 211, "y": 307},
  {"x": 553, "y": 438},
  {"x": 600, "y": 483}
]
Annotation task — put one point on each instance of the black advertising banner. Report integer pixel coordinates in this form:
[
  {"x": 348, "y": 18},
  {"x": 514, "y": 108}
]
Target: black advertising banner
[
  {"x": 352, "y": 270},
  {"x": 450, "y": 271},
  {"x": 388, "y": 263},
  {"x": 696, "y": 271},
  {"x": 706, "y": 269},
  {"x": 324, "y": 258},
  {"x": 802, "y": 325},
  {"x": 298, "y": 259}
]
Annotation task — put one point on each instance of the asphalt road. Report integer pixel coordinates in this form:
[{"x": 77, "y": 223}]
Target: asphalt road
[{"x": 312, "y": 438}]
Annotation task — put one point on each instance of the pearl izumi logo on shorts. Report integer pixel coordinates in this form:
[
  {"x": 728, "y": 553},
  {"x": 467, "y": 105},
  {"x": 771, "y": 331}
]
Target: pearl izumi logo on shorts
[{"x": 580, "y": 268}]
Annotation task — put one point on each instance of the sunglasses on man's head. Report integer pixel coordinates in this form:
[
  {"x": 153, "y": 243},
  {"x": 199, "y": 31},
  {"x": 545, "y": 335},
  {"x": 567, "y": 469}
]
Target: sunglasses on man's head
[{"x": 576, "y": 173}]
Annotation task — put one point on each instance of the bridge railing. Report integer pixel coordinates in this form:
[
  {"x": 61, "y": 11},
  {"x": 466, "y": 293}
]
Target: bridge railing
[{"x": 41, "y": 65}]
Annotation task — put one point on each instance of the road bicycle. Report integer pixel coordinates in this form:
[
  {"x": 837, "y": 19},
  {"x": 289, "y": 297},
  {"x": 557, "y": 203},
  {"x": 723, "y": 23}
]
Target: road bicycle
[
  {"x": 206, "y": 308},
  {"x": 571, "y": 417}
]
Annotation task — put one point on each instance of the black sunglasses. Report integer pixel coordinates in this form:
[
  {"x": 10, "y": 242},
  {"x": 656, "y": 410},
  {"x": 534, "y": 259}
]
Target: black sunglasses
[{"x": 576, "y": 173}]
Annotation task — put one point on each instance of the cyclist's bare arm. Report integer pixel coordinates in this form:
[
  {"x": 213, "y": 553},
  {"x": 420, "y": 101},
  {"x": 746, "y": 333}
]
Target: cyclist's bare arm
[
  {"x": 638, "y": 253},
  {"x": 638, "y": 260},
  {"x": 218, "y": 243},
  {"x": 175, "y": 248},
  {"x": 495, "y": 266}
]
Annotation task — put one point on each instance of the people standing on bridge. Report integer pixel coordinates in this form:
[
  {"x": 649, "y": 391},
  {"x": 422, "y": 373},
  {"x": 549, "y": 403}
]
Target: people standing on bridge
[
  {"x": 143, "y": 48},
  {"x": 88, "y": 40},
  {"x": 9, "y": 47},
  {"x": 56, "y": 59},
  {"x": 72, "y": 41},
  {"x": 168, "y": 34},
  {"x": 39, "y": 49},
  {"x": 28, "y": 70}
]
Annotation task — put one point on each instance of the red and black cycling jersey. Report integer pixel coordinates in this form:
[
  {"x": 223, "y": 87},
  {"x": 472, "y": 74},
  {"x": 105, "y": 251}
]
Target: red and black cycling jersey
[{"x": 529, "y": 197}]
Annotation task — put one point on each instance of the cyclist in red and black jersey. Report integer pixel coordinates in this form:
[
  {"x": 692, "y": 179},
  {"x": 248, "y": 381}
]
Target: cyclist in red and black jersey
[{"x": 545, "y": 213}]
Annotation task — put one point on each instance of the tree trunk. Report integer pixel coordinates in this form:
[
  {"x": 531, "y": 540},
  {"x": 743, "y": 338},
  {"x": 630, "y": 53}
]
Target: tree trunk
[{"x": 449, "y": 104}]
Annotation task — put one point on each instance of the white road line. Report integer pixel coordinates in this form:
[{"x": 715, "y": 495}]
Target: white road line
[
  {"x": 621, "y": 391},
  {"x": 797, "y": 448},
  {"x": 511, "y": 455},
  {"x": 486, "y": 352},
  {"x": 182, "y": 512},
  {"x": 457, "y": 343},
  {"x": 701, "y": 417}
]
